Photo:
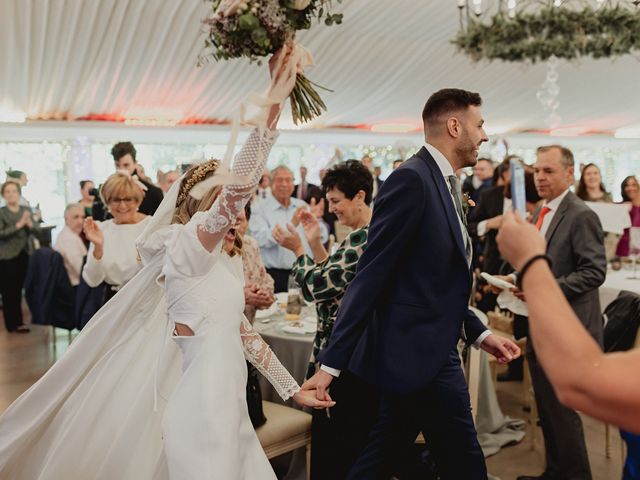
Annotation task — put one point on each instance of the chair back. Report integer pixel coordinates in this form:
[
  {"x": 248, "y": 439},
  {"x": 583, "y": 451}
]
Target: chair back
[{"x": 622, "y": 317}]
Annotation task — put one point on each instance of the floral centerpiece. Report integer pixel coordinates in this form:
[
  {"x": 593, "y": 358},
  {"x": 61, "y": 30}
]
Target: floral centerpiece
[{"x": 254, "y": 29}]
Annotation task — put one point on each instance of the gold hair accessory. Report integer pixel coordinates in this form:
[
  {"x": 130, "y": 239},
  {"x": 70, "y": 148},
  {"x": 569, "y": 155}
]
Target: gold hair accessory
[{"x": 198, "y": 175}]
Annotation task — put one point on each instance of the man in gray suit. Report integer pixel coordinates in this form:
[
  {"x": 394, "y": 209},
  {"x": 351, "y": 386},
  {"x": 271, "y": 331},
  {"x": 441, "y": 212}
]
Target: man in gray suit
[{"x": 575, "y": 244}]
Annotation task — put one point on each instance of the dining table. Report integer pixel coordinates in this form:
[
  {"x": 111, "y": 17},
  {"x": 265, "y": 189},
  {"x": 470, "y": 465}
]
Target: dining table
[
  {"x": 616, "y": 281},
  {"x": 291, "y": 340}
]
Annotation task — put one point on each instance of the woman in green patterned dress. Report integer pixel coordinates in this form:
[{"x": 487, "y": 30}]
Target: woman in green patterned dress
[{"x": 324, "y": 279}]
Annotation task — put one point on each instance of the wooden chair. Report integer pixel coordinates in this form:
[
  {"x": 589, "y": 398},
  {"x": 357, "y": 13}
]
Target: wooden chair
[{"x": 287, "y": 429}]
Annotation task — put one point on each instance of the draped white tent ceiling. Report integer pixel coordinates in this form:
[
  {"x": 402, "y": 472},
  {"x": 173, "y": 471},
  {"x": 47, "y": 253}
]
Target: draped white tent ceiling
[{"x": 112, "y": 59}]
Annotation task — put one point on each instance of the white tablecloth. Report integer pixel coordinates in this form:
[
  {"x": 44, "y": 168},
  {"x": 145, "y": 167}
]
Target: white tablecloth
[
  {"x": 617, "y": 281},
  {"x": 293, "y": 350}
]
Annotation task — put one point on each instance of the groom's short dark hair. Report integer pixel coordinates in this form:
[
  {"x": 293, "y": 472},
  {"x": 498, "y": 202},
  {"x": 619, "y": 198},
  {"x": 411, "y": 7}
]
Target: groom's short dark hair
[{"x": 446, "y": 101}]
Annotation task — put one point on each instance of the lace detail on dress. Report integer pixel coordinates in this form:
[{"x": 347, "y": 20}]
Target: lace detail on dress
[
  {"x": 249, "y": 163},
  {"x": 258, "y": 352}
]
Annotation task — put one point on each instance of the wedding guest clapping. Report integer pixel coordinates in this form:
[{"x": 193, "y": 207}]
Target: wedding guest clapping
[
  {"x": 16, "y": 224},
  {"x": 21, "y": 179},
  {"x": 112, "y": 255},
  {"x": 583, "y": 377},
  {"x": 258, "y": 286},
  {"x": 280, "y": 208},
  {"x": 70, "y": 244},
  {"x": 323, "y": 279}
]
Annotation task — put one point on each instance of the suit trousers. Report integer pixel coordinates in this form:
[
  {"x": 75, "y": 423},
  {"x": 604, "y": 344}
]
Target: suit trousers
[
  {"x": 442, "y": 412},
  {"x": 14, "y": 271},
  {"x": 564, "y": 443},
  {"x": 341, "y": 434}
]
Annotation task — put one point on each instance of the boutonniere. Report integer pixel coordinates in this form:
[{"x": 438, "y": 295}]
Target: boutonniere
[{"x": 466, "y": 204}]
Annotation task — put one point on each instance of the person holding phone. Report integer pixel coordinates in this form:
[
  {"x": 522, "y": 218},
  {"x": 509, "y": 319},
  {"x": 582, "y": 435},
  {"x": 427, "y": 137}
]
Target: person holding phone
[
  {"x": 575, "y": 245},
  {"x": 582, "y": 375}
]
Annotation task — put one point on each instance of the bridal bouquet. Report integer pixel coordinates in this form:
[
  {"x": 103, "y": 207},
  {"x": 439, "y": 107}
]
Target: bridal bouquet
[{"x": 254, "y": 29}]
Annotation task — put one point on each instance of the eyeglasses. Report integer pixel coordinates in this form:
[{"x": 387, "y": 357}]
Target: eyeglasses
[{"x": 126, "y": 201}]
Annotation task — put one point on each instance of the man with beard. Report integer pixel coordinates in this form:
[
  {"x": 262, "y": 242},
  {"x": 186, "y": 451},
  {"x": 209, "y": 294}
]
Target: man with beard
[{"x": 401, "y": 318}]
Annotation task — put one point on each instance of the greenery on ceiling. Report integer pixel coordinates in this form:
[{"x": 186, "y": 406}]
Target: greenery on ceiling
[{"x": 531, "y": 36}]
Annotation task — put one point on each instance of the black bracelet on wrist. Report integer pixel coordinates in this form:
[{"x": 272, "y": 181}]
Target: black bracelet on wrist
[{"x": 528, "y": 264}]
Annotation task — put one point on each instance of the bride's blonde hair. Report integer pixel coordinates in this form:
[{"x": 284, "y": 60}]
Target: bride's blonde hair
[{"x": 187, "y": 206}]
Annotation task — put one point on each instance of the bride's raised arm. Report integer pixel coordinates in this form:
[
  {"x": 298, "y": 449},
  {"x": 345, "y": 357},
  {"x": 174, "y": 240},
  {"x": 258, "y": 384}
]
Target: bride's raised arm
[
  {"x": 223, "y": 213},
  {"x": 249, "y": 163}
]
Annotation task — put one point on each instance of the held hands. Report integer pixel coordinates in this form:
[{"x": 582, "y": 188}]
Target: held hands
[
  {"x": 255, "y": 296},
  {"x": 500, "y": 347},
  {"x": 308, "y": 398},
  {"x": 319, "y": 384},
  {"x": 518, "y": 240}
]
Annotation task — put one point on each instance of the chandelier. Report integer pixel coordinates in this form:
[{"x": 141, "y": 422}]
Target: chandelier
[{"x": 536, "y": 30}]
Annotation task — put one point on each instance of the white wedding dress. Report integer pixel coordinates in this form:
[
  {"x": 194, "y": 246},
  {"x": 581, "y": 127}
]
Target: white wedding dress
[{"x": 123, "y": 403}]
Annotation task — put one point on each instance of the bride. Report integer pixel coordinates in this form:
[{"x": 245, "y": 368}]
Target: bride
[{"x": 120, "y": 404}]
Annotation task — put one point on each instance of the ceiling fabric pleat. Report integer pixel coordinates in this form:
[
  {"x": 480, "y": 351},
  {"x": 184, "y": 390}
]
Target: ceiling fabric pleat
[{"x": 71, "y": 59}]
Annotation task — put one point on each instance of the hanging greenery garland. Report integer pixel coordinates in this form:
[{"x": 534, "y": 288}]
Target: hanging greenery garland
[{"x": 609, "y": 31}]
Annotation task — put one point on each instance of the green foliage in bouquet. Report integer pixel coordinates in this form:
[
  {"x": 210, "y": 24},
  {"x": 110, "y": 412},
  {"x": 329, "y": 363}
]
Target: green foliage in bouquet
[
  {"x": 535, "y": 36},
  {"x": 258, "y": 28}
]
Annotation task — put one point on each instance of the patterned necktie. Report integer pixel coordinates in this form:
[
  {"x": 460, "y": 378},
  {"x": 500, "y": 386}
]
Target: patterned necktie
[
  {"x": 541, "y": 216},
  {"x": 456, "y": 192}
]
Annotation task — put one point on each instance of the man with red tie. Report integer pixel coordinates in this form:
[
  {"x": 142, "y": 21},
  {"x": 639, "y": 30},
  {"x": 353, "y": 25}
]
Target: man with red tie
[{"x": 575, "y": 245}]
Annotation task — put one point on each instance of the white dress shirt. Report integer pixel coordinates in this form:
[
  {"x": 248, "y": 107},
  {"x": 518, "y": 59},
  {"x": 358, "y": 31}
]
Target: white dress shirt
[
  {"x": 553, "y": 206},
  {"x": 71, "y": 247},
  {"x": 446, "y": 169}
]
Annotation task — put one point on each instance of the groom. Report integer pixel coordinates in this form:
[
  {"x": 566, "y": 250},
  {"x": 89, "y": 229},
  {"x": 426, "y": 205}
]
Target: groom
[{"x": 403, "y": 313}]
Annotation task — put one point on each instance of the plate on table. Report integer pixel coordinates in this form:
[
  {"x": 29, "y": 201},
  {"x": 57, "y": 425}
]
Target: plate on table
[
  {"x": 267, "y": 312},
  {"x": 497, "y": 282},
  {"x": 300, "y": 327}
]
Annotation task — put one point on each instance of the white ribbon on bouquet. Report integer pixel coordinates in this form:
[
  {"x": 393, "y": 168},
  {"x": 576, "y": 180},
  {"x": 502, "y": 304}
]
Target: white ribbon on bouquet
[{"x": 281, "y": 86}]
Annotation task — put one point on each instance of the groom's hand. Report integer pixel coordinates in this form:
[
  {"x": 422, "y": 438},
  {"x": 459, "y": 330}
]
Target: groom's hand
[
  {"x": 320, "y": 382},
  {"x": 500, "y": 347}
]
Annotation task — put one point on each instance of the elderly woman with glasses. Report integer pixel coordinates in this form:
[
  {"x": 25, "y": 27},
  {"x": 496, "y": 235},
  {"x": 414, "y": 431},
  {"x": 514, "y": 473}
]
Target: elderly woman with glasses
[{"x": 112, "y": 256}]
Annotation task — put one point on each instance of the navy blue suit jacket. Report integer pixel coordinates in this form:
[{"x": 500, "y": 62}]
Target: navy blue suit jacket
[{"x": 404, "y": 311}]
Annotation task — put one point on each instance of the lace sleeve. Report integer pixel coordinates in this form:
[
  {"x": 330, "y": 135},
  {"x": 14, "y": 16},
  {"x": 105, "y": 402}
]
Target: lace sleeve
[
  {"x": 258, "y": 352},
  {"x": 249, "y": 162}
]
